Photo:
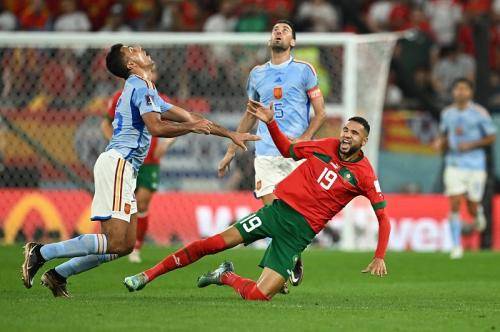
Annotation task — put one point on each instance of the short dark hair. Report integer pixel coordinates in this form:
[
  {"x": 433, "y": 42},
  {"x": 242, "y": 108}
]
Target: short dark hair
[
  {"x": 115, "y": 62},
  {"x": 463, "y": 80},
  {"x": 363, "y": 122},
  {"x": 288, "y": 23}
]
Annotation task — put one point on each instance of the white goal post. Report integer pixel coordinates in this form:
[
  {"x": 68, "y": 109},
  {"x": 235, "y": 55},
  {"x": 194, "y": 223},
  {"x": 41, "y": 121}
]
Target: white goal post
[
  {"x": 364, "y": 61},
  {"x": 55, "y": 88}
]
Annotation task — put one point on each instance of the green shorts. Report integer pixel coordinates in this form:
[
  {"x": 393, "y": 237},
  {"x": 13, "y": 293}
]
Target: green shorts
[
  {"x": 148, "y": 177},
  {"x": 289, "y": 231}
]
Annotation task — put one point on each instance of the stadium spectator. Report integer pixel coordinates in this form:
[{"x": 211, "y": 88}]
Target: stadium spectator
[
  {"x": 443, "y": 16},
  {"x": 35, "y": 16},
  {"x": 393, "y": 94},
  {"x": 191, "y": 16},
  {"x": 495, "y": 39},
  {"x": 149, "y": 20},
  {"x": 451, "y": 65},
  {"x": 418, "y": 21},
  {"x": 115, "y": 20},
  {"x": 221, "y": 55},
  {"x": 20, "y": 72},
  {"x": 222, "y": 21},
  {"x": 277, "y": 9},
  {"x": 318, "y": 16},
  {"x": 399, "y": 15},
  {"x": 169, "y": 15},
  {"x": 8, "y": 20},
  {"x": 61, "y": 80},
  {"x": 97, "y": 11},
  {"x": 494, "y": 100},
  {"x": 71, "y": 18},
  {"x": 252, "y": 19},
  {"x": 378, "y": 15}
]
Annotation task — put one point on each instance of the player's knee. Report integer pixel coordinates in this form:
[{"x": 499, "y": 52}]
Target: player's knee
[
  {"x": 455, "y": 205},
  {"x": 123, "y": 250},
  {"x": 142, "y": 207},
  {"x": 472, "y": 208},
  {"x": 120, "y": 247}
]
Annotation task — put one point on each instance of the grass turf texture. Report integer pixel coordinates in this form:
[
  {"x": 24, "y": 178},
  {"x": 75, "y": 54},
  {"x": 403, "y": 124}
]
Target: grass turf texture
[{"x": 422, "y": 292}]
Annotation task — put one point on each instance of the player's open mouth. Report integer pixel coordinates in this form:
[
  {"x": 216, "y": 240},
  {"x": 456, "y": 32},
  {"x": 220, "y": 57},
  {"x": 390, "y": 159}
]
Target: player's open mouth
[{"x": 345, "y": 144}]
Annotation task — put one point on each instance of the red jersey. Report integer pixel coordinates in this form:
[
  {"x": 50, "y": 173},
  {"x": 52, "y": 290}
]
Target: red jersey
[
  {"x": 324, "y": 184},
  {"x": 150, "y": 158}
]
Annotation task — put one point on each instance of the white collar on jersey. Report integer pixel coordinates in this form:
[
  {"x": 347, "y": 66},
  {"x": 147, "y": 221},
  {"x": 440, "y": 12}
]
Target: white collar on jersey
[{"x": 281, "y": 65}]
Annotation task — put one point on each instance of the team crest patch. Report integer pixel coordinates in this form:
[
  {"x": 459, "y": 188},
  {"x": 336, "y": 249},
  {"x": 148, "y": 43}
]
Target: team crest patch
[
  {"x": 258, "y": 185},
  {"x": 278, "y": 92},
  {"x": 127, "y": 208}
]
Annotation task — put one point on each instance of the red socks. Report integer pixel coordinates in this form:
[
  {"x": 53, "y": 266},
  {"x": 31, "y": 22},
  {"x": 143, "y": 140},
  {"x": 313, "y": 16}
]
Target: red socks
[
  {"x": 142, "y": 227},
  {"x": 247, "y": 288},
  {"x": 187, "y": 255}
]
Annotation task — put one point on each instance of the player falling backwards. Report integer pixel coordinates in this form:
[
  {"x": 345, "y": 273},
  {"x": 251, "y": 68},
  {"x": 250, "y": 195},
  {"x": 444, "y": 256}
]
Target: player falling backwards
[
  {"x": 140, "y": 114},
  {"x": 334, "y": 172},
  {"x": 147, "y": 177},
  {"x": 292, "y": 86}
]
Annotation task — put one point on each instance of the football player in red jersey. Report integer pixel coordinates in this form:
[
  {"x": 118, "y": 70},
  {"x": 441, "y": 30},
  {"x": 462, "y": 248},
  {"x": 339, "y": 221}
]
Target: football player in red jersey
[{"x": 334, "y": 172}]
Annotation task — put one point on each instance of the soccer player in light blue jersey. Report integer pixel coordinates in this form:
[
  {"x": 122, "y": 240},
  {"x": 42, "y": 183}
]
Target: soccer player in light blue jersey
[
  {"x": 140, "y": 114},
  {"x": 466, "y": 129},
  {"x": 292, "y": 86}
]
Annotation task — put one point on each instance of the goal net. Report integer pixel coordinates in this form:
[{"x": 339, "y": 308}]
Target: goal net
[{"x": 55, "y": 90}]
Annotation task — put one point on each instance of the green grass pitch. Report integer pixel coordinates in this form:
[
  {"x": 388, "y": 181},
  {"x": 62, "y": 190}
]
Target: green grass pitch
[{"x": 423, "y": 292}]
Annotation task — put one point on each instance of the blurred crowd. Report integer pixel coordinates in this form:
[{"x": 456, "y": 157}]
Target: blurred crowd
[{"x": 446, "y": 39}]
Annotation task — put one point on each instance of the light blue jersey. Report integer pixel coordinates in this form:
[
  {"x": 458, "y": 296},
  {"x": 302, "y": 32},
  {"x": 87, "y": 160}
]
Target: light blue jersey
[
  {"x": 470, "y": 124},
  {"x": 287, "y": 86},
  {"x": 131, "y": 138}
]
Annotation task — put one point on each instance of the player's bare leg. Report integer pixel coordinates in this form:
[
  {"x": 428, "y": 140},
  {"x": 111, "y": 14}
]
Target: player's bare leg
[
  {"x": 88, "y": 251},
  {"x": 143, "y": 197},
  {"x": 185, "y": 256},
  {"x": 456, "y": 227},
  {"x": 476, "y": 211},
  {"x": 269, "y": 284},
  {"x": 268, "y": 199}
]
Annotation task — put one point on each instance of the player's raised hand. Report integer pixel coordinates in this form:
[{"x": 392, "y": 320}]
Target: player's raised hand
[
  {"x": 260, "y": 111},
  {"x": 202, "y": 126},
  {"x": 376, "y": 267},
  {"x": 240, "y": 138}
]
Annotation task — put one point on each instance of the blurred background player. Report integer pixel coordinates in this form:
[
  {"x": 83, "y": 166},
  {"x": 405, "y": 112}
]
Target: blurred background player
[
  {"x": 466, "y": 129},
  {"x": 292, "y": 86},
  {"x": 148, "y": 176},
  {"x": 335, "y": 171}
]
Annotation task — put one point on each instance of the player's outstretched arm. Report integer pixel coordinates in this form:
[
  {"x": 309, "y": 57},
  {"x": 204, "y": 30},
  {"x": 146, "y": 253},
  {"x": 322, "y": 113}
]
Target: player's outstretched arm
[
  {"x": 180, "y": 115},
  {"x": 246, "y": 124},
  {"x": 377, "y": 266},
  {"x": 164, "y": 128}
]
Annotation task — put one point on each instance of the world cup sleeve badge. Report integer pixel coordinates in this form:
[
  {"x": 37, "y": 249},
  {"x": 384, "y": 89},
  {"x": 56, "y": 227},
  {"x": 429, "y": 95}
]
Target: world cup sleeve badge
[{"x": 278, "y": 92}]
